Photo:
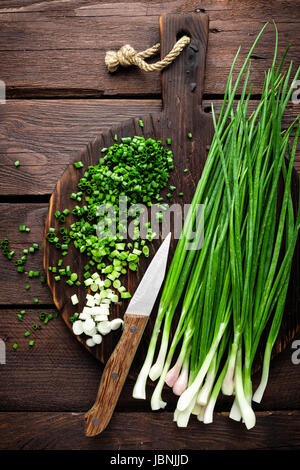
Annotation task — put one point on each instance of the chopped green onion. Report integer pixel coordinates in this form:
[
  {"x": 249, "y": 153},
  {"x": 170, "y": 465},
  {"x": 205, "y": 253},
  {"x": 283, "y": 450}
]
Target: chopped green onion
[{"x": 78, "y": 164}]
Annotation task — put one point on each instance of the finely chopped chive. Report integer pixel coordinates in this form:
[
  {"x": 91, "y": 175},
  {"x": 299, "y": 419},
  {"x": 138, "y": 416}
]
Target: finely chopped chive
[
  {"x": 6, "y": 249},
  {"x": 78, "y": 164},
  {"x": 185, "y": 170},
  {"x": 190, "y": 135},
  {"x": 141, "y": 124},
  {"x": 137, "y": 168},
  {"x": 15, "y": 346},
  {"x": 236, "y": 285},
  {"x": 31, "y": 343},
  {"x": 17, "y": 163},
  {"x": 27, "y": 333},
  {"x": 27, "y": 286}
]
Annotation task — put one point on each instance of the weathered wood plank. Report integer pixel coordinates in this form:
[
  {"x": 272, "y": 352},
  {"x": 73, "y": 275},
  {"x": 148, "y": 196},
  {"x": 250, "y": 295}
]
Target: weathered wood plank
[
  {"x": 58, "y": 48},
  {"x": 65, "y": 375},
  {"x": 13, "y": 283},
  {"x": 46, "y": 134},
  {"x": 58, "y": 374},
  {"x": 252, "y": 8},
  {"x": 144, "y": 431}
]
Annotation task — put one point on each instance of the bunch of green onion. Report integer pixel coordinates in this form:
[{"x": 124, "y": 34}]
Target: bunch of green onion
[{"x": 233, "y": 290}]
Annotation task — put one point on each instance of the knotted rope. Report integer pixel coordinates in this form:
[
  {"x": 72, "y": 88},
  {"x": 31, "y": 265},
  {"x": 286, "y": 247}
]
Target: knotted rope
[{"x": 127, "y": 56}]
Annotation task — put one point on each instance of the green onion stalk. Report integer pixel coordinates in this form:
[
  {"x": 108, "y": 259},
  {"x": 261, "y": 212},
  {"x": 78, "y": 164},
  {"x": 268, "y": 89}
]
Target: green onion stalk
[
  {"x": 234, "y": 288},
  {"x": 183, "y": 258}
]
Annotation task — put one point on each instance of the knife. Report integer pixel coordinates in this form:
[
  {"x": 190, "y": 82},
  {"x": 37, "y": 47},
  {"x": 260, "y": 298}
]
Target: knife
[{"x": 135, "y": 321}]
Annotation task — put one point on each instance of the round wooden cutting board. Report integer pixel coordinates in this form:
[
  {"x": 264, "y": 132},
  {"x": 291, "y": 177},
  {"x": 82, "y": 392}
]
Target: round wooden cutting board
[{"x": 182, "y": 90}]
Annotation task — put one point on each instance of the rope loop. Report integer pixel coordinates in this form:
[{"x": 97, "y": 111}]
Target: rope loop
[{"x": 127, "y": 56}]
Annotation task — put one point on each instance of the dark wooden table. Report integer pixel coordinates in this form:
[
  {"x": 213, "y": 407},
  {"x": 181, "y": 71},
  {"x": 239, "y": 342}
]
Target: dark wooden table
[{"x": 59, "y": 96}]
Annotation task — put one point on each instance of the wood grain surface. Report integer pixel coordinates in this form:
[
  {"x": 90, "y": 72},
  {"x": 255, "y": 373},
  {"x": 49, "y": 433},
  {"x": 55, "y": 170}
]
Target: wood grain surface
[
  {"x": 46, "y": 135},
  {"x": 61, "y": 45},
  {"x": 182, "y": 91},
  {"x": 51, "y": 59},
  {"x": 153, "y": 431},
  {"x": 182, "y": 113}
]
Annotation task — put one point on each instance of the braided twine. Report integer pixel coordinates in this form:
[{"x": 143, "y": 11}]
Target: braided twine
[{"x": 127, "y": 56}]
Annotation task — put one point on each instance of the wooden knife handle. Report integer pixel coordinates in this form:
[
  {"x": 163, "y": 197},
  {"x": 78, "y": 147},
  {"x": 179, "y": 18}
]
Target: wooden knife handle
[{"x": 114, "y": 374}]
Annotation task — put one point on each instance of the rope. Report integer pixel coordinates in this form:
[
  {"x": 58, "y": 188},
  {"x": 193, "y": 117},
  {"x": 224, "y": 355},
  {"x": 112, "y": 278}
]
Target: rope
[{"x": 127, "y": 56}]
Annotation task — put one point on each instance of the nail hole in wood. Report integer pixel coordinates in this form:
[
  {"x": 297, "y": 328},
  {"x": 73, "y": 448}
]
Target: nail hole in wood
[
  {"x": 207, "y": 109},
  {"x": 181, "y": 33}
]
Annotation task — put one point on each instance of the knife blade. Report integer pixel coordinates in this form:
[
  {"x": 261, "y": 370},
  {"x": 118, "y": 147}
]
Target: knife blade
[
  {"x": 147, "y": 291},
  {"x": 119, "y": 363}
]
